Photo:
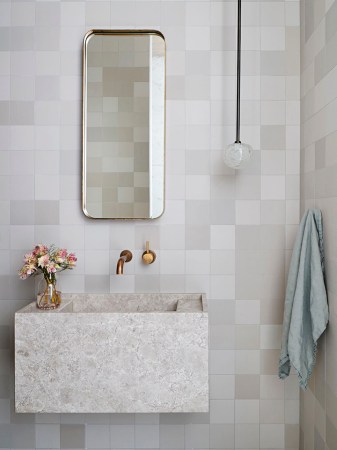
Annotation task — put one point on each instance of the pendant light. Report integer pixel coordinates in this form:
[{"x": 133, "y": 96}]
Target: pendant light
[{"x": 237, "y": 155}]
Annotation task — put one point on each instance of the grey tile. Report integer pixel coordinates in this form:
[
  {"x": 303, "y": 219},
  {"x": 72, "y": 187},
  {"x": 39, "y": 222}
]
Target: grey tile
[
  {"x": 5, "y": 360},
  {"x": 197, "y": 212},
  {"x": 22, "y": 113},
  {"x": 146, "y": 436},
  {"x": 22, "y": 38},
  {"x": 330, "y": 19},
  {"x": 197, "y": 436},
  {"x": 4, "y": 112},
  {"x": 5, "y": 411},
  {"x": 320, "y": 154},
  {"x": 308, "y": 18},
  {"x": 273, "y": 137},
  {"x": 273, "y": 63},
  {"x": 331, "y": 434},
  {"x": 197, "y": 237},
  {"x": 47, "y": 212},
  {"x": 22, "y": 212},
  {"x": 72, "y": 436},
  {"x": 97, "y": 283},
  {"x": 48, "y": 13},
  {"x": 47, "y": 88},
  {"x": 221, "y": 436},
  {"x": 47, "y": 38},
  {"x": 23, "y": 436},
  {"x": 4, "y": 336},
  {"x": 172, "y": 436},
  {"x": 222, "y": 212},
  {"x": 47, "y": 436},
  {"x": 5, "y": 436},
  {"x": 4, "y": 38},
  {"x": 97, "y": 436},
  {"x": 122, "y": 436},
  {"x": 122, "y": 419},
  {"x": 147, "y": 283},
  {"x": 4, "y": 385}
]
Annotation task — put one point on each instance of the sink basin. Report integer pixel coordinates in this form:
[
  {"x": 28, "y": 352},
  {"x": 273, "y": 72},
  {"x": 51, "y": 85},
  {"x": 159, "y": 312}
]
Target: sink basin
[{"x": 113, "y": 353}]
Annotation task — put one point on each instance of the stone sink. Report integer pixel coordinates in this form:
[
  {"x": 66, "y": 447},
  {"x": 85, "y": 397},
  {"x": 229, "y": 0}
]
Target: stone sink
[{"x": 106, "y": 353}]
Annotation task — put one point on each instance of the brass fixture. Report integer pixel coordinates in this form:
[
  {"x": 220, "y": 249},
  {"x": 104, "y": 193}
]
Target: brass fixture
[
  {"x": 125, "y": 257},
  {"x": 148, "y": 256}
]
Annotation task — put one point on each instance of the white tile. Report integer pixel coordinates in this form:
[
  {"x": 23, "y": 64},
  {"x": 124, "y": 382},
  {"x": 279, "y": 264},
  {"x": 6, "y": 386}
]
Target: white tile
[
  {"x": 270, "y": 336},
  {"x": 247, "y": 361},
  {"x": 222, "y": 287},
  {"x": 271, "y": 436},
  {"x": 172, "y": 262},
  {"x": 72, "y": 13},
  {"x": 197, "y": 38},
  {"x": 247, "y": 312},
  {"x": 222, "y": 362},
  {"x": 197, "y": 262},
  {"x": 97, "y": 262},
  {"x": 247, "y": 212},
  {"x": 97, "y": 13},
  {"x": 272, "y": 187},
  {"x": 273, "y": 88},
  {"x": 222, "y": 411},
  {"x": 250, "y": 37},
  {"x": 4, "y": 63},
  {"x": 223, "y": 237},
  {"x": 198, "y": 113},
  {"x": 23, "y": 14},
  {"x": 222, "y": 386},
  {"x": 247, "y": 411},
  {"x": 197, "y": 14},
  {"x": 292, "y": 14},
  {"x": 197, "y": 187},
  {"x": 272, "y": 38},
  {"x": 97, "y": 237},
  {"x": 273, "y": 113},
  {"x": 272, "y": 14}
]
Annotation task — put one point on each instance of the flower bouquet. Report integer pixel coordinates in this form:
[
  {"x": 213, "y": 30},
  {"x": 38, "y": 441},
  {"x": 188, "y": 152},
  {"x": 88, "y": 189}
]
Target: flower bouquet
[{"x": 48, "y": 261}]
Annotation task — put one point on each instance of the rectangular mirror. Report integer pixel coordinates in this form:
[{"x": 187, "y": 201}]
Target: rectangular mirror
[{"x": 123, "y": 124}]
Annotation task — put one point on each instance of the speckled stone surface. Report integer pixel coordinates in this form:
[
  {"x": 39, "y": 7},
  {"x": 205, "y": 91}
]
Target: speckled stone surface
[{"x": 113, "y": 353}]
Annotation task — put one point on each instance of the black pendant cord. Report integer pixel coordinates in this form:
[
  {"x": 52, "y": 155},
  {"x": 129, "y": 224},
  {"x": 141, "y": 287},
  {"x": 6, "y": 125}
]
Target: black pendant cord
[{"x": 238, "y": 74}]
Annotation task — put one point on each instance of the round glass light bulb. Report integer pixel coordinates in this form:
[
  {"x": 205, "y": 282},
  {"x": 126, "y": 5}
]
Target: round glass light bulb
[{"x": 237, "y": 155}]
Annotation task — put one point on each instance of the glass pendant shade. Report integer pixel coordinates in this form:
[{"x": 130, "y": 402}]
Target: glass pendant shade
[{"x": 237, "y": 155}]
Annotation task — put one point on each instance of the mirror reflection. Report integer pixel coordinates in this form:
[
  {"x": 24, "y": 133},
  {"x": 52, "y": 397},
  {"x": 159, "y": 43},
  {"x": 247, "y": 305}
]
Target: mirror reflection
[{"x": 123, "y": 124}]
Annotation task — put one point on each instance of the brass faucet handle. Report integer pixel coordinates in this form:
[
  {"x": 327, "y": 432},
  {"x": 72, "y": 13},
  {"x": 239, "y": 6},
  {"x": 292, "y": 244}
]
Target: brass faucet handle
[{"x": 148, "y": 256}]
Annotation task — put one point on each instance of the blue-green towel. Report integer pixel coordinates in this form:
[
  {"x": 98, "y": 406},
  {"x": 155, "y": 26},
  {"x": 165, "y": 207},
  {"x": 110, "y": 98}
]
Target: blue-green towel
[{"x": 306, "y": 307}]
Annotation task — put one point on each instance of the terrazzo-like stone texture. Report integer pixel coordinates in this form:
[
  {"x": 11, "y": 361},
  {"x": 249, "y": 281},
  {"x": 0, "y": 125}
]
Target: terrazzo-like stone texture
[{"x": 113, "y": 353}]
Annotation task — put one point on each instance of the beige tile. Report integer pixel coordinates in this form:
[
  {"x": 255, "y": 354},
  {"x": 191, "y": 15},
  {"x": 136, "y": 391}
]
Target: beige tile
[
  {"x": 247, "y": 337},
  {"x": 271, "y": 311},
  {"x": 269, "y": 361},
  {"x": 272, "y": 411},
  {"x": 292, "y": 436},
  {"x": 247, "y": 386}
]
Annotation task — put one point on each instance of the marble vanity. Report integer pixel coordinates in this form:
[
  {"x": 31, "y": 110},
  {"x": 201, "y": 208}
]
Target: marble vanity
[{"x": 108, "y": 353}]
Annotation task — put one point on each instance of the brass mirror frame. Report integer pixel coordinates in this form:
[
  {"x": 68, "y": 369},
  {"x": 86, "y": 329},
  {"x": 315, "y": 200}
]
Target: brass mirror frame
[{"x": 84, "y": 115}]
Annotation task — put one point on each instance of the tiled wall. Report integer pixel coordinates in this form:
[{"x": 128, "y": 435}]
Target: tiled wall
[
  {"x": 318, "y": 188},
  {"x": 222, "y": 233}
]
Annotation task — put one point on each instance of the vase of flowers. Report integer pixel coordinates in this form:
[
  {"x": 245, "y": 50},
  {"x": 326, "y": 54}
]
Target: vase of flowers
[{"x": 47, "y": 261}]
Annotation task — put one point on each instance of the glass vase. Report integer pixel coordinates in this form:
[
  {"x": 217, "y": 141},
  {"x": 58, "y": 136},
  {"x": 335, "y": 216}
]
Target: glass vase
[{"x": 48, "y": 296}]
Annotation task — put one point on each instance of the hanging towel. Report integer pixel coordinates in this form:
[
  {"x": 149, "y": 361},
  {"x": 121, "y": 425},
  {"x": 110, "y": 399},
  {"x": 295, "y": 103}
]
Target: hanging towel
[{"x": 306, "y": 307}]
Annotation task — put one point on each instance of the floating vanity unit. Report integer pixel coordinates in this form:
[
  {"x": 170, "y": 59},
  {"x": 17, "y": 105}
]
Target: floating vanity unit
[{"x": 105, "y": 353}]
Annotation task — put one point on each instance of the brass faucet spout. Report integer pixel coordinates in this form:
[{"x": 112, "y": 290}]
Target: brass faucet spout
[{"x": 125, "y": 257}]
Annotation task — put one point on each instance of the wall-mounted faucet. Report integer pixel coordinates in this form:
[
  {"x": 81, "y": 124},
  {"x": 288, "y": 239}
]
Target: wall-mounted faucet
[{"x": 125, "y": 257}]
